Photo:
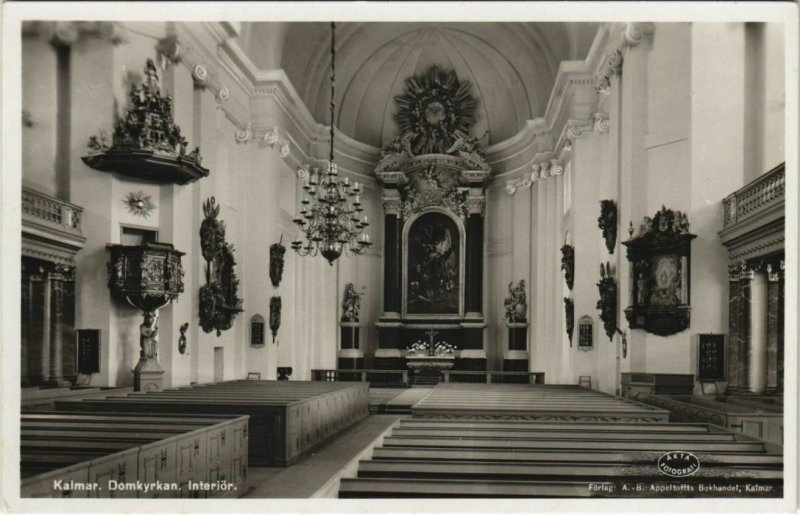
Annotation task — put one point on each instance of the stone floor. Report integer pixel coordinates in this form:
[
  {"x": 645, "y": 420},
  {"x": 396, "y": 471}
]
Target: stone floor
[
  {"x": 317, "y": 474},
  {"x": 395, "y": 400}
]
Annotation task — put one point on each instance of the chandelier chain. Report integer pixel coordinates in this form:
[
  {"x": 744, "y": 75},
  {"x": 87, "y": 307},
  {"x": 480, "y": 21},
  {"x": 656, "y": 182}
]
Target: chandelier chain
[
  {"x": 333, "y": 82},
  {"x": 331, "y": 213}
]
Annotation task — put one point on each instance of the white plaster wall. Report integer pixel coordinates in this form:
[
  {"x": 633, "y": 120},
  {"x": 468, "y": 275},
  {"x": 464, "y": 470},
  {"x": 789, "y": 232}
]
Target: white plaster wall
[
  {"x": 39, "y": 100},
  {"x": 499, "y": 259}
]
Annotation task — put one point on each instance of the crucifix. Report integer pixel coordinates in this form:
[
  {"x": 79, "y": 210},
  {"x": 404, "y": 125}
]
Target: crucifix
[{"x": 431, "y": 333}]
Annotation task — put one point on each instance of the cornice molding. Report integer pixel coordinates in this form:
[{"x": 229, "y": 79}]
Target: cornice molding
[{"x": 264, "y": 99}]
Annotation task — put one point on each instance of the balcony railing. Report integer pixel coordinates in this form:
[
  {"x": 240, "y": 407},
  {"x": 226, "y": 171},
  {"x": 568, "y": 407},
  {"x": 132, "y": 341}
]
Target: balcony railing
[
  {"x": 57, "y": 214},
  {"x": 756, "y": 196}
]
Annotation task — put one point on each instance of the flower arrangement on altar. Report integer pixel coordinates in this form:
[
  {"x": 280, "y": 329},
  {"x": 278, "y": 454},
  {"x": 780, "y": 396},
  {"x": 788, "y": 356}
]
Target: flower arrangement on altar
[
  {"x": 444, "y": 348},
  {"x": 420, "y": 347}
]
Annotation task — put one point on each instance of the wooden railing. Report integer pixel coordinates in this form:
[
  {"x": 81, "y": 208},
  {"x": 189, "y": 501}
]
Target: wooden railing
[
  {"x": 765, "y": 191},
  {"x": 479, "y": 376},
  {"x": 401, "y": 377},
  {"x": 373, "y": 376},
  {"x": 41, "y": 208}
]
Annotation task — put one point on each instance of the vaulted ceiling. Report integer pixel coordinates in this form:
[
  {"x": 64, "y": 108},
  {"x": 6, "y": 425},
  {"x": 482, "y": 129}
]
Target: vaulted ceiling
[{"x": 512, "y": 67}]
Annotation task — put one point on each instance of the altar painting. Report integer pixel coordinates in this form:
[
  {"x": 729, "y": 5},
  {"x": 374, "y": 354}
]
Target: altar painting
[{"x": 433, "y": 266}]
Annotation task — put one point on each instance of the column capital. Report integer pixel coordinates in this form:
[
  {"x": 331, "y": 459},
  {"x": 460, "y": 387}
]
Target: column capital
[
  {"x": 392, "y": 203},
  {"x": 476, "y": 205},
  {"x": 773, "y": 275},
  {"x": 734, "y": 270},
  {"x": 69, "y": 32}
]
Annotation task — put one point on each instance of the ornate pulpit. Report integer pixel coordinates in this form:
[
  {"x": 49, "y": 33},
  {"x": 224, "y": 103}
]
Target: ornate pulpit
[
  {"x": 433, "y": 176},
  {"x": 147, "y": 277}
]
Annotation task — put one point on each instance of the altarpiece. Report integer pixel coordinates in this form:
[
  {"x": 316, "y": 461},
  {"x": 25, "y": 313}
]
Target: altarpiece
[{"x": 434, "y": 175}]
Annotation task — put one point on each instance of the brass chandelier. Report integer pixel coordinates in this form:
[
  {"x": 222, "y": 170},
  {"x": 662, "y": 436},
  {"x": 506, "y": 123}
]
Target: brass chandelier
[{"x": 330, "y": 215}]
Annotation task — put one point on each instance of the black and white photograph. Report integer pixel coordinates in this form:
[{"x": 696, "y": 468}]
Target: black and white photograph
[{"x": 399, "y": 257}]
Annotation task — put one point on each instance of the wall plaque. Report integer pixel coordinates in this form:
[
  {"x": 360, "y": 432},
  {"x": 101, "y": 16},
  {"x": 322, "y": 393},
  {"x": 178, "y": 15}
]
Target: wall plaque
[
  {"x": 585, "y": 333},
  {"x": 88, "y": 351},
  {"x": 711, "y": 357}
]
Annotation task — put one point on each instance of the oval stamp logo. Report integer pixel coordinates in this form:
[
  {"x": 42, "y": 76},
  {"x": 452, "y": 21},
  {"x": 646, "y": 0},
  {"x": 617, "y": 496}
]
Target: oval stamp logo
[{"x": 678, "y": 464}]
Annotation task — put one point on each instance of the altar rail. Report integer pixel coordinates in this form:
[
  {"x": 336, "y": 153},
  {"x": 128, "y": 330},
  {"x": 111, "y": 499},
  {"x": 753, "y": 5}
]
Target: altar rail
[
  {"x": 763, "y": 192},
  {"x": 373, "y": 376},
  {"x": 400, "y": 377},
  {"x": 479, "y": 376}
]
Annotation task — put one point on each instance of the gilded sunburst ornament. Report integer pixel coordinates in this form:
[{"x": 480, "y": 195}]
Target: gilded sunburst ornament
[
  {"x": 139, "y": 204},
  {"x": 435, "y": 110}
]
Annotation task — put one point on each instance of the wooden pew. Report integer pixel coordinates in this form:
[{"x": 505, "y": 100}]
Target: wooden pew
[
  {"x": 106, "y": 455},
  {"x": 496, "y": 446},
  {"x": 533, "y": 402},
  {"x": 288, "y": 419}
]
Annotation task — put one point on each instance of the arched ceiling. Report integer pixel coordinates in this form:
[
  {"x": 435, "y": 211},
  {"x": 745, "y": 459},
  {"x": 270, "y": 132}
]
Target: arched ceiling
[{"x": 512, "y": 67}]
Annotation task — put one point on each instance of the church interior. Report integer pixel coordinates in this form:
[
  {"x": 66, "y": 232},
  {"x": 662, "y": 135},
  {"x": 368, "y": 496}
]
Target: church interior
[{"x": 379, "y": 259}]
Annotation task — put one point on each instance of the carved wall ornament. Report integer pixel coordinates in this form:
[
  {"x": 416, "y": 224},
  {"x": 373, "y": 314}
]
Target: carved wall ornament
[
  {"x": 603, "y": 84},
  {"x": 223, "y": 94},
  {"x": 601, "y": 122},
  {"x": 303, "y": 172},
  {"x": 200, "y": 75},
  {"x": 272, "y": 136},
  {"x": 433, "y": 187},
  {"x": 169, "y": 49},
  {"x": 274, "y": 316},
  {"x": 516, "y": 304},
  {"x": 607, "y": 304},
  {"x": 147, "y": 144},
  {"x": 513, "y": 185},
  {"x": 633, "y": 34},
  {"x": 568, "y": 264},
  {"x": 569, "y": 317},
  {"x": 182, "y": 339},
  {"x": 351, "y": 303},
  {"x": 243, "y": 135},
  {"x": 434, "y": 111},
  {"x": 219, "y": 297},
  {"x": 556, "y": 167},
  {"x": 140, "y": 204},
  {"x": 276, "y": 256},
  {"x": 608, "y": 223},
  {"x": 536, "y": 169},
  {"x": 660, "y": 257}
]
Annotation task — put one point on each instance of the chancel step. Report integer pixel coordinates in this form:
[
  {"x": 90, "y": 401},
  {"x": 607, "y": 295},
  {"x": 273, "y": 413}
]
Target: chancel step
[{"x": 462, "y": 442}]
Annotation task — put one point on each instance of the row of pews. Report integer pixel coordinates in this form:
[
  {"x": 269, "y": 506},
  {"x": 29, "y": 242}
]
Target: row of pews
[
  {"x": 114, "y": 455},
  {"x": 278, "y": 421},
  {"x": 540, "y": 402},
  {"x": 551, "y": 441}
]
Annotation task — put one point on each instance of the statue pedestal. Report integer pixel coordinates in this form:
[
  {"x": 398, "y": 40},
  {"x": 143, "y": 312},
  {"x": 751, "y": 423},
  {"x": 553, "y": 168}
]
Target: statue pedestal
[
  {"x": 349, "y": 355},
  {"x": 516, "y": 358},
  {"x": 148, "y": 376}
]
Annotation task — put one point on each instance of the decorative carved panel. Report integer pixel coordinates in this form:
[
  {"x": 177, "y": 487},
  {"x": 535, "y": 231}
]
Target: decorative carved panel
[
  {"x": 660, "y": 257},
  {"x": 219, "y": 297}
]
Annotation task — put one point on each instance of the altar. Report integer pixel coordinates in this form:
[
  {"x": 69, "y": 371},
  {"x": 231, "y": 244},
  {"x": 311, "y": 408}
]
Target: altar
[
  {"x": 429, "y": 360},
  {"x": 433, "y": 176}
]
